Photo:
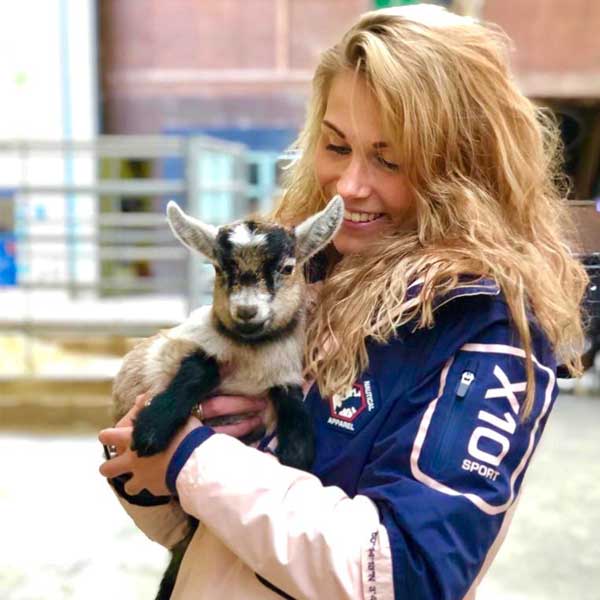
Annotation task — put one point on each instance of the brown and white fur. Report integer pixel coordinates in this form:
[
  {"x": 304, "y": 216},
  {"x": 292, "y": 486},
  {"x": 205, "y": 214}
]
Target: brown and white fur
[{"x": 253, "y": 332}]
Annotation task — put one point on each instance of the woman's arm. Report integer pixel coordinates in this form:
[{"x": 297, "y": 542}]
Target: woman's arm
[
  {"x": 309, "y": 540},
  {"x": 159, "y": 516},
  {"x": 283, "y": 523}
]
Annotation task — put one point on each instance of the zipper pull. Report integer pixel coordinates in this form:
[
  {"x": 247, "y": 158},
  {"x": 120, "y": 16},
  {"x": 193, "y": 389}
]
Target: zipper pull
[{"x": 466, "y": 379}]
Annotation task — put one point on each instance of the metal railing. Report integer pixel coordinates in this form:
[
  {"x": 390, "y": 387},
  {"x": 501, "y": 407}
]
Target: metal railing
[
  {"x": 85, "y": 223},
  {"x": 93, "y": 253}
]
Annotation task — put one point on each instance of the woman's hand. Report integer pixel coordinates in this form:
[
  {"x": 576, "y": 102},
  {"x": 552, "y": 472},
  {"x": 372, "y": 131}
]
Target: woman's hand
[
  {"x": 150, "y": 472},
  {"x": 233, "y": 406}
]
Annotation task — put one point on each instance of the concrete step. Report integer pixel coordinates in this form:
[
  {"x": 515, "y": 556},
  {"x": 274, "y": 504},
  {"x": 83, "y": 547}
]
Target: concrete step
[{"x": 42, "y": 403}]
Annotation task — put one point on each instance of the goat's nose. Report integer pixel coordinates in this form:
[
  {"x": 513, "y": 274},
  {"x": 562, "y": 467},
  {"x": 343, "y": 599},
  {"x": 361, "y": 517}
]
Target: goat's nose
[{"x": 246, "y": 312}]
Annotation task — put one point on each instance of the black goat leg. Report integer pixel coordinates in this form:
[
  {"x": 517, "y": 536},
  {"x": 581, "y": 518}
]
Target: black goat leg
[
  {"x": 158, "y": 422},
  {"x": 167, "y": 582},
  {"x": 295, "y": 434}
]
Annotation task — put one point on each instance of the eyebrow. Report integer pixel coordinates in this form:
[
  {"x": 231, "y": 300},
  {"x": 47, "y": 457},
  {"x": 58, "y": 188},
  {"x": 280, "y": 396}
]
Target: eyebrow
[{"x": 331, "y": 126}]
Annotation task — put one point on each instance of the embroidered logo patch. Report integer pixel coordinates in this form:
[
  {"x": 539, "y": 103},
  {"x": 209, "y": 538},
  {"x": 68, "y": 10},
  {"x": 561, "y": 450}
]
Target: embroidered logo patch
[{"x": 345, "y": 409}]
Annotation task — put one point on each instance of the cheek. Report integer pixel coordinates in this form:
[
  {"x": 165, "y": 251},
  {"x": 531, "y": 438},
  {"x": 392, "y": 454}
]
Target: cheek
[
  {"x": 398, "y": 200},
  {"x": 325, "y": 171},
  {"x": 287, "y": 302},
  {"x": 221, "y": 302}
]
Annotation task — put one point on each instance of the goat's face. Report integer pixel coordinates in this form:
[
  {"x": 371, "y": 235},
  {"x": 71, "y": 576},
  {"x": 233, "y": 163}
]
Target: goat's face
[
  {"x": 258, "y": 285},
  {"x": 259, "y": 281}
]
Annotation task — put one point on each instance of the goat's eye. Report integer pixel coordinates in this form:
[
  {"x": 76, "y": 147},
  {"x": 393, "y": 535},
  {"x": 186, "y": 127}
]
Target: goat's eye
[
  {"x": 218, "y": 270},
  {"x": 287, "y": 269}
]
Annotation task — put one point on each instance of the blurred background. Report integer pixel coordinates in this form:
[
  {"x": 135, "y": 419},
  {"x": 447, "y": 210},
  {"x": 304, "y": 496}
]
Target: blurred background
[{"x": 112, "y": 107}]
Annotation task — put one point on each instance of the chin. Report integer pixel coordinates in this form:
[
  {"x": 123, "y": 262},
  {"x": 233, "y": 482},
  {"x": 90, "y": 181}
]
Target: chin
[
  {"x": 346, "y": 244},
  {"x": 250, "y": 331}
]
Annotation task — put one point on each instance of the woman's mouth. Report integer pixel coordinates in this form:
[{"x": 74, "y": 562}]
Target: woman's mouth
[{"x": 361, "y": 220}]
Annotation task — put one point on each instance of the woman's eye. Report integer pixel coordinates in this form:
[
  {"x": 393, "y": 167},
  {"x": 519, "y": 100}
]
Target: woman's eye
[
  {"x": 343, "y": 150},
  {"x": 386, "y": 164},
  {"x": 287, "y": 269}
]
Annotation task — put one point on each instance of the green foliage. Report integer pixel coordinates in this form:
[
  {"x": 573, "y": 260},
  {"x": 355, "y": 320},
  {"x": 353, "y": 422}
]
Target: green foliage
[{"x": 387, "y": 3}]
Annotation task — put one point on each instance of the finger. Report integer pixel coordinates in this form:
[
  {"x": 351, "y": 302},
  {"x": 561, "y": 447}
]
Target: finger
[
  {"x": 116, "y": 466},
  {"x": 240, "y": 429},
  {"x": 129, "y": 417},
  {"x": 220, "y": 406},
  {"x": 133, "y": 486},
  {"x": 120, "y": 437},
  {"x": 142, "y": 400},
  {"x": 126, "y": 421}
]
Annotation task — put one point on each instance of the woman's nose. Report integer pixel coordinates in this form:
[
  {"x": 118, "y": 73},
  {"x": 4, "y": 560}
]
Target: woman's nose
[{"x": 354, "y": 180}]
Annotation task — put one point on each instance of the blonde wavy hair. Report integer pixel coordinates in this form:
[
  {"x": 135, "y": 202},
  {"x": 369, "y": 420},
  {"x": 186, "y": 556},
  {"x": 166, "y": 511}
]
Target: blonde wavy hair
[{"x": 483, "y": 164}]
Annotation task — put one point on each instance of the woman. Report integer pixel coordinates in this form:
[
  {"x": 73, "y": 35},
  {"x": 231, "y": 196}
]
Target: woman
[{"x": 445, "y": 301}]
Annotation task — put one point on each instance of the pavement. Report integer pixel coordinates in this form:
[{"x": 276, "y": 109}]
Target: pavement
[{"x": 64, "y": 536}]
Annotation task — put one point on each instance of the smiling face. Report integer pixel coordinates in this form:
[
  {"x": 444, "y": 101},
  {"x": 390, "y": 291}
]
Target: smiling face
[{"x": 354, "y": 159}]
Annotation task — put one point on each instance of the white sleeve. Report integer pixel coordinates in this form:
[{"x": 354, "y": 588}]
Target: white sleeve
[{"x": 309, "y": 540}]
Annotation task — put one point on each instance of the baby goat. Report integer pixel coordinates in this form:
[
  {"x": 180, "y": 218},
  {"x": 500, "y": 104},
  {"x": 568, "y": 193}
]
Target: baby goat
[{"x": 249, "y": 342}]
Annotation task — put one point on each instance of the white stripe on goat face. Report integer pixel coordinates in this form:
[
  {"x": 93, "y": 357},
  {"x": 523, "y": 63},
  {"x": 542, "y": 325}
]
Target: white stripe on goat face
[
  {"x": 249, "y": 295},
  {"x": 242, "y": 236}
]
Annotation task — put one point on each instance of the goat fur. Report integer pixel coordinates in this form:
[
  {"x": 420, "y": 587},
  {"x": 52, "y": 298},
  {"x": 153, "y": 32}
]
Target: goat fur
[
  {"x": 244, "y": 368},
  {"x": 185, "y": 365}
]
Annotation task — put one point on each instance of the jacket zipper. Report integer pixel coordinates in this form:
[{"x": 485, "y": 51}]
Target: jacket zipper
[{"x": 455, "y": 414}]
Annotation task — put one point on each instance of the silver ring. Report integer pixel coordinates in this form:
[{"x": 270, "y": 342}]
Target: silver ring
[{"x": 110, "y": 451}]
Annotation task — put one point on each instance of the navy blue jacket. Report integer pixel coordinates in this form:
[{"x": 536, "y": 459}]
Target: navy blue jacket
[{"x": 431, "y": 432}]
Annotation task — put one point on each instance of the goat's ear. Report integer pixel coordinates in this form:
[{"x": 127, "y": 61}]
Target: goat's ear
[
  {"x": 191, "y": 232},
  {"x": 317, "y": 231}
]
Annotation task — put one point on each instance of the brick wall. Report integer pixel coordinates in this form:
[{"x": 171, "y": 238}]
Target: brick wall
[
  {"x": 550, "y": 35},
  {"x": 557, "y": 44},
  {"x": 182, "y": 63},
  {"x": 198, "y": 63}
]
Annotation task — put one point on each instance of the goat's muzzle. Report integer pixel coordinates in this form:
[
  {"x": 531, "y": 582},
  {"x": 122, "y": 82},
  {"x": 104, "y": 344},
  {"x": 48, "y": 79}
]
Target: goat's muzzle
[
  {"x": 249, "y": 330},
  {"x": 246, "y": 313}
]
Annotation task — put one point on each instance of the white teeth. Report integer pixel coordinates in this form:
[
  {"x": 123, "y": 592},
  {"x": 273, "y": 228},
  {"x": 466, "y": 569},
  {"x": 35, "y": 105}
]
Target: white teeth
[{"x": 357, "y": 217}]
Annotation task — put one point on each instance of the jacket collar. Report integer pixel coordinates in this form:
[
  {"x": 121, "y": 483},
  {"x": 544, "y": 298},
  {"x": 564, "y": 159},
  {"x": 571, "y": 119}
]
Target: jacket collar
[{"x": 468, "y": 286}]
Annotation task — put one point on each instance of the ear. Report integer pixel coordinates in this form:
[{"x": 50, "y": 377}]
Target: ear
[
  {"x": 317, "y": 231},
  {"x": 191, "y": 232}
]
